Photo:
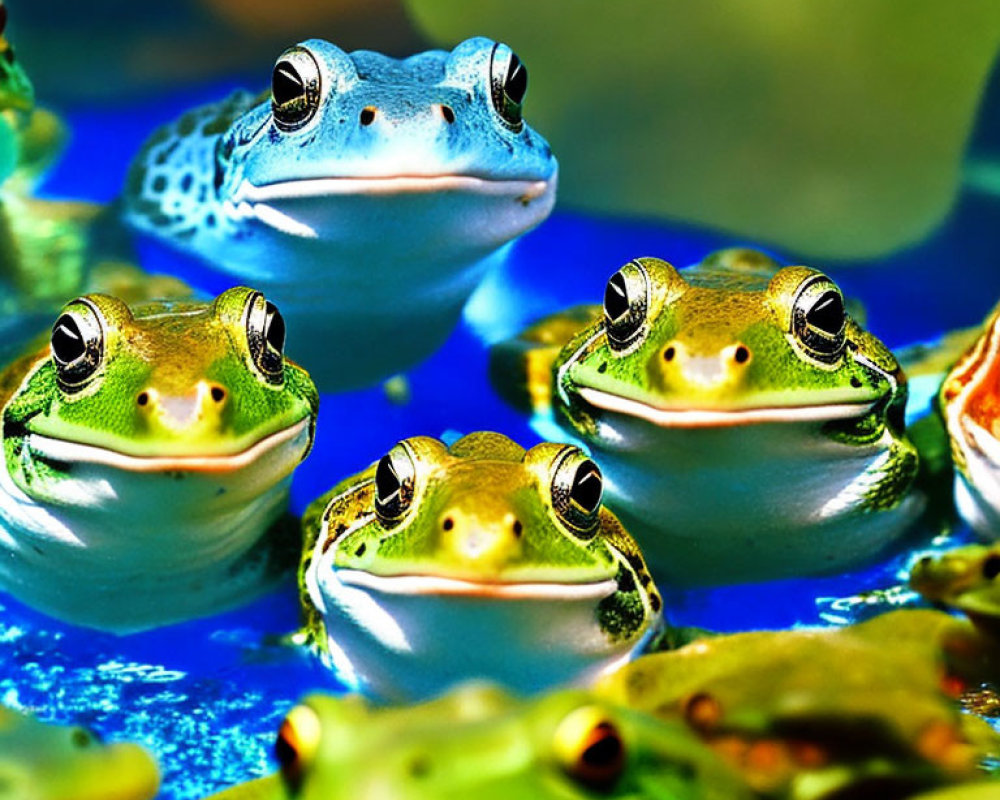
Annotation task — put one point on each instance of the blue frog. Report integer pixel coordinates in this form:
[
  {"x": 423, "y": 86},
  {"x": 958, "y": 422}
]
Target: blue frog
[{"x": 364, "y": 193}]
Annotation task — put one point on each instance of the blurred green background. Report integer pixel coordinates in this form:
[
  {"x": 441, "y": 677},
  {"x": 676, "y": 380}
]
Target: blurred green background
[{"x": 830, "y": 128}]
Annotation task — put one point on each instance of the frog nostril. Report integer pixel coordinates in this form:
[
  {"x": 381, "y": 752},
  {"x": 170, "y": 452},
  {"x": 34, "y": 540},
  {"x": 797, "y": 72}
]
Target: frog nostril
[
  {"x": 742, "y": 354},
  {"x": 518, "y": 528},
  {"x": 142, "y": 398},
  {"x": 447, "y": 523},
  {"x": 447, "y": 113},
  {"x": 670, "y": 353},
  {"x": 856, "y": 382},
  {"x": 367, "y": 115},
  {"x": 218, "y": 394}
]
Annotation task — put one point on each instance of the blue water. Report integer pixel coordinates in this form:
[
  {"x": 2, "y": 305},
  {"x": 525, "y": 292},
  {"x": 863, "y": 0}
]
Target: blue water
[{"x": 207, "y": 696}]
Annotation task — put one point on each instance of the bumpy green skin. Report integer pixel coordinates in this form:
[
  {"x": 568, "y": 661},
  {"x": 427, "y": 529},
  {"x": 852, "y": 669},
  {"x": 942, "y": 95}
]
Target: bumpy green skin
[
  {"x": 833, "y": 709},
  {"x": 479, "y": 742},
  {"x": 484, "y": 482},
  {"x": 49, "y": 762},
  {"x": 165, "y": 350}
]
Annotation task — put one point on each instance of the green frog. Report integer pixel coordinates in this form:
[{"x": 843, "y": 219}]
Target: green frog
[
  {"x": 368, "y": 195},
  {"x": 147, "y": 455},
  {"x": 749, "y": 428},
  {"x": 832, "y": 709},
  {"x": 969, "y": 402},
  {"x": 39, "y": 761},
  {"x": 480, "y": 559},
  {"x": 478, "y": 741}
]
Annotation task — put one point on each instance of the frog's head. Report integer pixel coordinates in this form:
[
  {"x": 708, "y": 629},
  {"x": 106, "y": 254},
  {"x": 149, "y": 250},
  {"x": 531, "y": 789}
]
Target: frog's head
[
  {"x": 478, "y": 741},
  {"x": 488, "y": 560},
  {"x": 366, "y": 124},
  {"x": 484, "y": 512},
  {"x": 168, "y": 386},
  {"x": 52, "y": 762},
  {"x": 727, "y": 348},
  {"x": 16, "y": 91},
  {"x": 965, "y": 579},
  {"x": 970, "y": 404}
]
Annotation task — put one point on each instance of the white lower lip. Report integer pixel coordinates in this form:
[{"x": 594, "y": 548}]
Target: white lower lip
[
  {"x": 73, "y": 452},
  {"x": 526, "y": 191},
  {"x": 701, "y": 418},
  {"x": 431, "y": 585}
]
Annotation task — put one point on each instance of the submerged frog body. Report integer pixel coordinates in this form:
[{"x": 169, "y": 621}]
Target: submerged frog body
[
  {"x": 147, "y": 452},
  {"x": 813, "y": 713},
  {"x": 438, "y": 564},
  {"x": 748, "y": 427},
  {"x": 970, "y": 404},
  {"x": 363, "y": 193},
  {"x": 480, "y": 742},
  {"x": 51, "y": 762}
]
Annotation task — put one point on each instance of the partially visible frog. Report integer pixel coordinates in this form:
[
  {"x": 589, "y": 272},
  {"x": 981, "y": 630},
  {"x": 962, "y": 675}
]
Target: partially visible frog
[
  {"x": 147, "y": 456},
  {"x": 362, "y": 192},
  {"x": 802, "y": 710},
  {"x": 748, "y": 427},
  {"x": 964, "y": 579},
  {"x": 970, "y": 404},
  {"x": 440, "y": 563},
  {"x": 51, "y": 762},
  {"x": 480, "y": 742},
  {"x": 16, "y": 90}
]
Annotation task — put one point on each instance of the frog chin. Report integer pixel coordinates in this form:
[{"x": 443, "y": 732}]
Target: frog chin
[
  {"x": 410, "y": 637},
  {"x": 721, "y": 418}
]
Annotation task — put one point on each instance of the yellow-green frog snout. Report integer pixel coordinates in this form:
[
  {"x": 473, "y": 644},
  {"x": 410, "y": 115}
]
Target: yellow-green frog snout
[
  {"x": 679, "y": 367},
  {"x": 200, "y": 410},
  {"x": 480, "y": 538}
]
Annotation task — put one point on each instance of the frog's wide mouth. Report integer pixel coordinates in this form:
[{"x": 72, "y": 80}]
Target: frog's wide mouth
[
  {"x": 412, "y": 585},
  {"x": 722, "y": 418},
  {"x": 525, "y": 190},
  {"x": 68, "y": 452}
]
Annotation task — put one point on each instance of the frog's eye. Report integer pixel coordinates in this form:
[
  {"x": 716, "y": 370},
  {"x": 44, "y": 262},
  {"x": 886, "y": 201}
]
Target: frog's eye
[
  {"x": 590, "y": 748},
  {"x": 266, "y": 338},
  {"x": 508, "y": 85},
  {"x": 819, "y": 319},
  {"x": 577, "y": 488},
  {"x": 991, "y": 566},
  {"x": 395, "y": 477},
  {"x": 77, "y": 345},
  {"x": 626, "y": 301},
  {"x": 295, "y": 89},
  {"x": 297, "y": 744}
]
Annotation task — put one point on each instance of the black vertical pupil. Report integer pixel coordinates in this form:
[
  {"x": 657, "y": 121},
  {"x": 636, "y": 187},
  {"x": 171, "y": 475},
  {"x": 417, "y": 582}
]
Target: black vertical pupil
[
  {"x": 386, "y": 481},
  {"x": 286, "y": 84},
  {"x": 516, "y": 82},
  {"x": 587, "y": 486},
  {"x": 616, "y": 304},
  {"x": 67, "y": 341},
  {"x": 3, "y": 18},
  {"x": 274, "y": 326},
  {"x": 827, "y": 314}
]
